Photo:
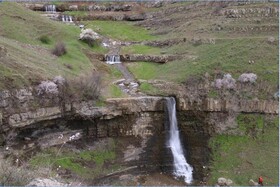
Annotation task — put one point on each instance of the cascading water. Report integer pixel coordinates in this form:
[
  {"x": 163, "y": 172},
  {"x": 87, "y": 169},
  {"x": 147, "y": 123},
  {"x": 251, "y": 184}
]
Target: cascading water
[
  {"x": 113, "y": 59},
  {"x": 180, "y": 166},
  {"x": 66, "y": 18},
  {"x": 50, "y": 8}
]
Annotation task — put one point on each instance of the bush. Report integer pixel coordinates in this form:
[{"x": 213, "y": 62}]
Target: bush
[
  {"x": 45, "y": 39},
  {"x": 59, "y": 49}
]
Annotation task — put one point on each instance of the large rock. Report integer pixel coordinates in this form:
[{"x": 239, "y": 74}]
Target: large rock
[{"x": 224, "y": 182}]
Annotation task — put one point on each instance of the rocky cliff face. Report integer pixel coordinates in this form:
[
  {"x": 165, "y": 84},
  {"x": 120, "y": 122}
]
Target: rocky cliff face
[{"x": 137, "y": 121}]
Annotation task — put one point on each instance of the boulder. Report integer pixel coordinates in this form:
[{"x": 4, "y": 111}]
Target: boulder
[
  {"x": 221, "y": 181},
  {"x": 224, "y": 182}
]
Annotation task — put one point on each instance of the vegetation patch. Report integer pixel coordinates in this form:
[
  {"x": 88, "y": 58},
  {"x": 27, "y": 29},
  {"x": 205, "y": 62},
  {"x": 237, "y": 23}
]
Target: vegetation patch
[
  {"x": 120, "y": 30},
  {"x": 115, "y": 91},
  {"x": 144, "y": 70},
  {"x": 242, "y": 158},
  {"x": 85, "y": 164},
  {"x": 149, "y": 89}
]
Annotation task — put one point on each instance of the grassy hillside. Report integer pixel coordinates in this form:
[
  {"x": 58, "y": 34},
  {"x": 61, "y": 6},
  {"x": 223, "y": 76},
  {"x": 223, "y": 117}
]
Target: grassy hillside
[
  {"x": 220, "y": 44},
  {"x": 28, "y": 59},
  {"x": 242, "y": 158}
]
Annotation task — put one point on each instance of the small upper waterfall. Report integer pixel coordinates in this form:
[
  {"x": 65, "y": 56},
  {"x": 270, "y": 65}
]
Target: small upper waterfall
[
  {"x": 50, "y": 8},
  {"x": 113, "y": 59},
  {"x": 180, "y": 166},
  {"x": 66, "y": 18}
]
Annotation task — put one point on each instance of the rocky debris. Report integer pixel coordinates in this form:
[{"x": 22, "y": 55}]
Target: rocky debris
[
  {"x": 58, "y": 138},
  {"x": 44, "y": 182},
  {"x": 224, "y": 182},
  {"x": 132, "y": 153},
  {"x": 148, "y": 58}
]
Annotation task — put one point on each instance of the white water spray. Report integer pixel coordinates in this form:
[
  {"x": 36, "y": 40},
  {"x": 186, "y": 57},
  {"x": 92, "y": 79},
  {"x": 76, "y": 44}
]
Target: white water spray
[
  {"x": 50, "y": 8},
  {"x": 180, "y": 165},
  {"x": 113, "y": 59},
  {"x": 66, "y": 18}
]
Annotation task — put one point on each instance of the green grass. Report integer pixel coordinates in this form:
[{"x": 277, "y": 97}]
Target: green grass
[
  {"x": 120, "y": 30},
  {"x": 140, "y": 49},
  {"x": 85, "y": 164},
  {"x": 226, "y": 56},
  {"x": 115, "y": 91},
  {"x": 25, "y": 34},
  {"x": 149, "y": 89},
  {"x": 144, "y": 70},
  {"x": 241, "y": 158}
]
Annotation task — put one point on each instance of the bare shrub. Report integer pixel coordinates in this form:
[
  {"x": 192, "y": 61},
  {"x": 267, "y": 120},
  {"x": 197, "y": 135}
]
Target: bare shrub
[
  {"x": 11, "y": 175},
  {"x": 248, "y": 77},
  {"x": 88, "y": 86},
  {"x": 59, "y": 49}
]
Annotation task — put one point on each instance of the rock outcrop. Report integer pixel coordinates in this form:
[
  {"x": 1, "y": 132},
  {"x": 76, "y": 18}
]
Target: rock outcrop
[{"x": 220, "y": 105}]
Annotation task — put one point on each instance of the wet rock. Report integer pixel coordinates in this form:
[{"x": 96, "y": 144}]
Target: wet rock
[{"x": 44, "y": 182}]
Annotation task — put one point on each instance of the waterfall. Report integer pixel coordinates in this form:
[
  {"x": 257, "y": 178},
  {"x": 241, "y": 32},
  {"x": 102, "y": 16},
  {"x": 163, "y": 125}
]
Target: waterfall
[
  {"x": 66, "y": 18},
  {"x": 113, "y": 59},
  {"x": 50, "y": 8},
  {"x": 180, "y": 166}
]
